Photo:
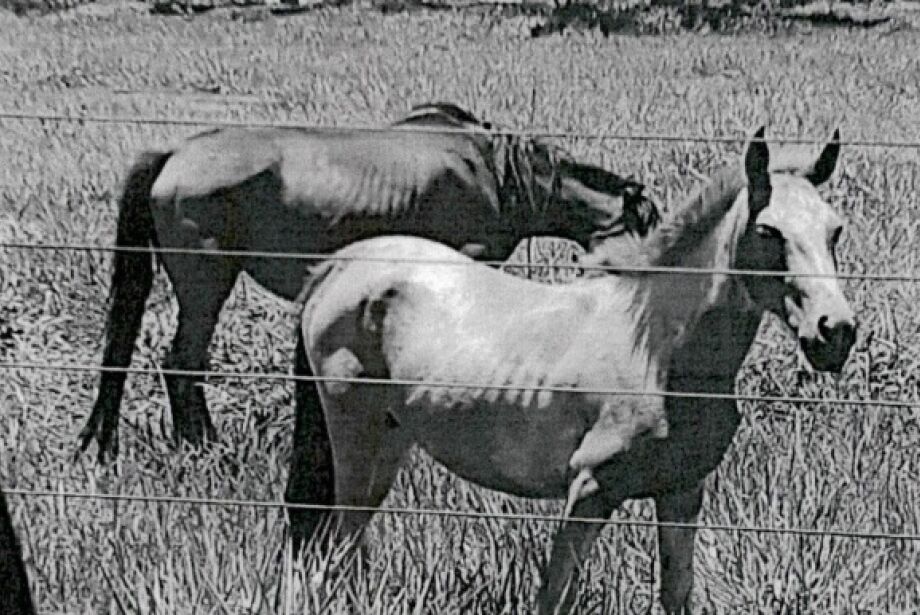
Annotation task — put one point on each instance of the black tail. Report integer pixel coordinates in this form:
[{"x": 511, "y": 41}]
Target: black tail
[
  {"x": 132, "y": 280},
  {"x": 310, "y": 479}
]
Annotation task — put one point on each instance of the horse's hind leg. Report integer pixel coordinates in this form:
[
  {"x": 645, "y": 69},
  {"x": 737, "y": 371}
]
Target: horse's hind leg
[
  {"x": 368, "y": 445},
  {"x": 310, "y": 475},
  {"x": 202, "y": 285},
  {"x": 368, "y": 452}
]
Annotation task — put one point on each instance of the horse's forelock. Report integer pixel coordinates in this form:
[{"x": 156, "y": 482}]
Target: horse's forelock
[
  {"x": 792, "y": 161},
  {"x": 801, "y": 160}
]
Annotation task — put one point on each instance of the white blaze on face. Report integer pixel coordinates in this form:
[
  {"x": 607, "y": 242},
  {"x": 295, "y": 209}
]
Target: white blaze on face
[{"x": 809, "y": 229}]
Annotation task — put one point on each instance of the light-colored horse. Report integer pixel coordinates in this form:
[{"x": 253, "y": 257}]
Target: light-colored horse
[{"x": 470, "y": 324}]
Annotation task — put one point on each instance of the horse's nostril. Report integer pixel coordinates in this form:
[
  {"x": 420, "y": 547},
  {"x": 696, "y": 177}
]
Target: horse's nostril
[
  {"x": 842, "y": 333},
  {"x": 823, "y": 329}
]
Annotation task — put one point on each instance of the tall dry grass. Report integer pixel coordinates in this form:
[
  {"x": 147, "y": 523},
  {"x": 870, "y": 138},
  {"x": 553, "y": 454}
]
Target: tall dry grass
[{"x": 812, "y": 466}]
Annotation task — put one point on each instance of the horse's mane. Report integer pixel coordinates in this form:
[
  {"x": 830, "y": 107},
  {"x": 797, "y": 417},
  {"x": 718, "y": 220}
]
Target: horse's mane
[
  {"x": 517, "y": 162},
  {"x": 695, "y": 218},
  {"x": 597, "y": 178},
  {"x": 516, "y": 159},
  {"x": 440, "y": 114},
  {"x": 510, "y": 157}
]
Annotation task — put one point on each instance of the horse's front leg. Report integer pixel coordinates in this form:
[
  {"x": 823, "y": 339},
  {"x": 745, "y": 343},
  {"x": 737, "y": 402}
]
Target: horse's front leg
[
  {"x": 675, "y": 547},
  {"x": 571, "y": 546},
  {"x": 202, "y": 285}
]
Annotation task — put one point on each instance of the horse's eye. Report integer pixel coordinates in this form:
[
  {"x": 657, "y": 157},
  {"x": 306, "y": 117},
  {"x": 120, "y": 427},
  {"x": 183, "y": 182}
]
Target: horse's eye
[{"x": 768, "y": 232}]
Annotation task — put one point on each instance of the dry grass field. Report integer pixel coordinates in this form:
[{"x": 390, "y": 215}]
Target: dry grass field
[{"x": 813, "y": 466}]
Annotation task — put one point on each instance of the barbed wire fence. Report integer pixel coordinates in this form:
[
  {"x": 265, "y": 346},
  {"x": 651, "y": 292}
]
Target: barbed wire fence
[
  {"x": 461, "y": 514},
  {"x": 48, "y": 116},
  {"x": 43, "y": 117}
]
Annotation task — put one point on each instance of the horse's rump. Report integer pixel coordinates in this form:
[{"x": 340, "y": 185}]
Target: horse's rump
[{"x": 215, "y": 160}]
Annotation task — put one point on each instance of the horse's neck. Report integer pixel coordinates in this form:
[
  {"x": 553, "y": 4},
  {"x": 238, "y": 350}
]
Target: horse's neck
[
  {"x": 714, "y": 348},
  {"x": 526, "y": 196},
  {"x": 678, "y": 301}
]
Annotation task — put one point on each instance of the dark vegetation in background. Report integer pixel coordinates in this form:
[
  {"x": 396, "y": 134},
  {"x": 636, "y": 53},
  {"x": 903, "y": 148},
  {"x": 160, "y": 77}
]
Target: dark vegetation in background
[
  {"x": 663, "y": 16},
  {"x": 605, "y": 16}
]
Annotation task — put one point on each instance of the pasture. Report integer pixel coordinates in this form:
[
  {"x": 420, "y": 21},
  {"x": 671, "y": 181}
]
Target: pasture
[{"x": 818, "y": 465}]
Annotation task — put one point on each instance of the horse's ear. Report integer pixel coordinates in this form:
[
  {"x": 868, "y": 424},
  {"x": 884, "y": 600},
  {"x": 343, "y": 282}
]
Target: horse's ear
[
  {"x": 823, "y": 167},
  {"x": 757, "y": 170}
]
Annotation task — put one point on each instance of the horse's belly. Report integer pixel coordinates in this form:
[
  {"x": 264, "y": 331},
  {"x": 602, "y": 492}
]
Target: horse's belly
[
  {"x": 282, "y": 277},
  {"x": 524, "y": 452}
]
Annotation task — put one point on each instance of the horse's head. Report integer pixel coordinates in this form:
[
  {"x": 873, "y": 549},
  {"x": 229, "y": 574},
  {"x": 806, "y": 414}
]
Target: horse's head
[
  {"x": 792, "y": 229},
  {"x": 594, "y": 204}
]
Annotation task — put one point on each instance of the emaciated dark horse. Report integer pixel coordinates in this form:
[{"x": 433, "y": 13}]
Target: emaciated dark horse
[{"x": 296, "y": 191}]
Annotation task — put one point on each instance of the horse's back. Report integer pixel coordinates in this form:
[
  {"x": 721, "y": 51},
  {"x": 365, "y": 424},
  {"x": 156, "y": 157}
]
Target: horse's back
[
  {"x": 225, "y": 157},
  {"x": 427, "y": 315},
  {"x": 387, "y": 173},
  {"x": 330, "y": 175},
  {"x": 372, "y": 268}
]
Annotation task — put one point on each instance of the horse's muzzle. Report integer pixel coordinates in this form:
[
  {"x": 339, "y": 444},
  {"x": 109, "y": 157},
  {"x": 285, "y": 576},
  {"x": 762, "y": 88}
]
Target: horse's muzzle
[{"x": 829, "y": 350}]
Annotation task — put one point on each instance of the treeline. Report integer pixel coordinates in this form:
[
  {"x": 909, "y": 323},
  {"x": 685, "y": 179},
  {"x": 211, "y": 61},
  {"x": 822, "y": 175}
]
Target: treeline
[{"x": 609, "y": 16}]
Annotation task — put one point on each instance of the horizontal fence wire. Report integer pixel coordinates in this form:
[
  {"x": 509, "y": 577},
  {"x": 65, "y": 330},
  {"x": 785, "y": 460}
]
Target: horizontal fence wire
[
  {"x": 436, "y": 512},
  {"x": 275, "y": 376},
  {"x": 633, "y": 136},
  {"x": 317, "y": 256},
  {"x": 542, "y": 133}
]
